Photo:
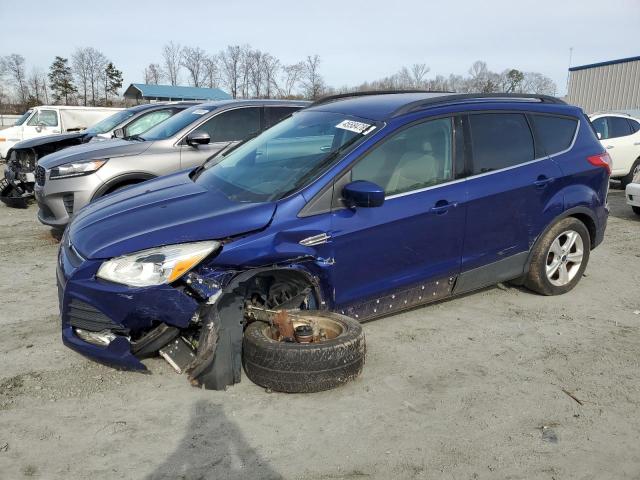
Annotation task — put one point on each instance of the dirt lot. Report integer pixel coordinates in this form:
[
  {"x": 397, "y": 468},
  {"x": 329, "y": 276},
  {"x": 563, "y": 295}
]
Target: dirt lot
[{"x": 471, "y": 388}]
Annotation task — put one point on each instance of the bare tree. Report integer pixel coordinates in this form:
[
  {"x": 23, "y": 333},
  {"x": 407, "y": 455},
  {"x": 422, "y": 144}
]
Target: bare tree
[
  {"x": 211, "y": 71},
  {"x": 194, "y": 59},
  {"x": 38, "y": 86},
  {"x": 291, "y": 76},
  {"x": 230, "y": 63},
  {"x": 419, "y": 72},
  {"x": 14, "y": 66},
  {"x": 97, "y": 66},
  {"x": 311, "y": 79},
  {"x": 80, "y": 66},
  {"x": 271, "y": 66},
  {"x": 171, "y": 56},
  {"x": 534, "y": 82},
  {"x": 246, "y": 59},
  {"x": 256, "y": 71},
  {"x": 152, "y": 74}
]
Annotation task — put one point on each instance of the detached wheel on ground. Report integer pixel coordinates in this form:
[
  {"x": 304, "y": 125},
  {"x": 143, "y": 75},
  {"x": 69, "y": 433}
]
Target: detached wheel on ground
[
  {"x": 559, "y": 258},
  {"x": 327, "y": 350}
]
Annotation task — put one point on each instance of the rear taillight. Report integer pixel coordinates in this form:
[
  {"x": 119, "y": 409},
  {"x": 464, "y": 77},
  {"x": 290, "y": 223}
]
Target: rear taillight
[{"x": 602, "y": 160}]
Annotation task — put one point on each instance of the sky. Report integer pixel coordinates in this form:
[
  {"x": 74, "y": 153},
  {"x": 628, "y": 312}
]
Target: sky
[{"x": 357, "y": 41}]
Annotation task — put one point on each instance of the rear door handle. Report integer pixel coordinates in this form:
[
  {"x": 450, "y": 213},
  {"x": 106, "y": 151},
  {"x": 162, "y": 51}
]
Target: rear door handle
[
  {"x": 442, "y": 206},
  {"x": 637, "y": 143},
  {"x": 542, "y": 181},
  {"x": 609, "y": 147}
]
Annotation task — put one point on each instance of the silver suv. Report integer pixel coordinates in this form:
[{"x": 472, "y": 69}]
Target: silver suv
[{"x": 69, "y": 179}]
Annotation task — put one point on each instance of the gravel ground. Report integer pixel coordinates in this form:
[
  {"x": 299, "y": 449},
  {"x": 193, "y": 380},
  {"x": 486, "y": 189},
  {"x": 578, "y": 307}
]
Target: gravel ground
[{"x": 499, "y": 384}]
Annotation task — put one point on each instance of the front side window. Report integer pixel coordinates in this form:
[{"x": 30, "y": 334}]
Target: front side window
[
  {"x": 290, "y": 155},
  {"x": 500, "y": 140},
  {"x": 417, "y": 157},
  {"x": 555, "y": 133},
  {"x": 619, "y": 127},
  {"x": 179, "y": 121},
  {"x": 146, "y": 121},
  {"x": 601, "y": 127},
  {"x": 48, "y": 118},
  {"x": 233, "y": 125}
]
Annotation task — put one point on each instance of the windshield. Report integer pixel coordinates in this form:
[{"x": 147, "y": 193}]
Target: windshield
[
  {"x": 284, "y": 158},
  {"x": 110, "y": 123},
  {"x": 170, "y": 127},
  {"x": 24, "y": 117}
]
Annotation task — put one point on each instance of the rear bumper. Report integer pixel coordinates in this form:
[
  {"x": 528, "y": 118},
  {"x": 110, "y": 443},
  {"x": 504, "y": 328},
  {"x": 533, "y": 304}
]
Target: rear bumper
[{"x": 632, "y": 194}]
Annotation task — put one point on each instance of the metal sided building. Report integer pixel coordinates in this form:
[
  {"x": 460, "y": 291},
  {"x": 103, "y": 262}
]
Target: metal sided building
[
  {"x": 605, "y": 86},
  {"x": 147, "y": 93}
]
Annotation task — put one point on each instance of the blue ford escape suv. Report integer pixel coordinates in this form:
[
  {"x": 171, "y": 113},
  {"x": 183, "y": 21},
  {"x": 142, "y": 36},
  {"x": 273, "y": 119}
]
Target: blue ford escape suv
[{"x": 364, "y": 204}]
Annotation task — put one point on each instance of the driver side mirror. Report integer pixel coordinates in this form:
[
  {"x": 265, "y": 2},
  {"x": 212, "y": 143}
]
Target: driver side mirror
[
  {"x": 40, "y": 126},
  {"x": 362, "y": 193},
  {"x": 118, "y": 133},
  {"x": 198, "y": 137}
]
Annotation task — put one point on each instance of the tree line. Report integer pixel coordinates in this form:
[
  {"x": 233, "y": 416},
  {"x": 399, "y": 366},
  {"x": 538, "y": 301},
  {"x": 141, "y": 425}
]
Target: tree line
[{"x": 90, "y": 78}]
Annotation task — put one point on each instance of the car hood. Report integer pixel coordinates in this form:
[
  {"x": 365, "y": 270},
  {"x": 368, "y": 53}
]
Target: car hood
[
  {"x": 10, "y": 133},
  {"x": 93, "y": 150},
  {"x": 163, "y": 211},
  {"x": 34, "y": 142}
]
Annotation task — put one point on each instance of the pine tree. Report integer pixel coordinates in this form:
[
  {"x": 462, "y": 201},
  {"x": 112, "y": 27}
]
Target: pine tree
[
  {"x": 112, "y": 81},
  {"x": 61, "y": 79}
]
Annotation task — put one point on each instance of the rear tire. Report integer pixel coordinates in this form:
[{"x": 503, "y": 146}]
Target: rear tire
[
  {"x": 559, "y": 258},
  {"x": 628, "y": 178}
]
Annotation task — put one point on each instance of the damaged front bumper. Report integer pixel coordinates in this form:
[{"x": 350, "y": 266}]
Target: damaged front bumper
[
  {"x": 118, "y": 326},
  {"x": 17, "y": 186}
]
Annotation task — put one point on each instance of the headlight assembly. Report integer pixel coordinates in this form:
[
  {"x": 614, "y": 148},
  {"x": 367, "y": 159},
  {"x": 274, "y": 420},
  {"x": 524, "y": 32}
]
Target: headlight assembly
[
  {"x": 156, "y": 266},
  {"x": 76, "y": 169}
]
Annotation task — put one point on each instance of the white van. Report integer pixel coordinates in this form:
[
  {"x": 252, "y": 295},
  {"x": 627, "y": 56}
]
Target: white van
[{"x": 49, "y": 120}]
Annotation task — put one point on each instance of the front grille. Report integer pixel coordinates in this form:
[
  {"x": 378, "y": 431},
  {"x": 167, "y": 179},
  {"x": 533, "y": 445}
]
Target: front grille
[
  {"x": 68, "y": 203},
  {"x": 86, "y": 317},
  {"x": 40, "y": 175}
]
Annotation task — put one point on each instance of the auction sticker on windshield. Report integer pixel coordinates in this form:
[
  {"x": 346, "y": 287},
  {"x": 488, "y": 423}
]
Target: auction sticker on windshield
[{"x": 353, "y": 126}]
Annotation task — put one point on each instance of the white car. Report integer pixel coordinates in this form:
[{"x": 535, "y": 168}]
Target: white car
[
  {"x": 632, "y": 192},
  {"x": 619, "y": 133},
  {"x": 51, "y": 120}
]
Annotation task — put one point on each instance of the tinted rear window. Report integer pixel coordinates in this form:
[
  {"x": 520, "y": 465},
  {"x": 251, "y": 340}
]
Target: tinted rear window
[
  {"x": 274, "y": 114},
  {"x": 500, "y": 140},
  {"x": 555, "y": 133},
  {"x": 619, "y": 127},
  {"x": 635, "y": 126}
]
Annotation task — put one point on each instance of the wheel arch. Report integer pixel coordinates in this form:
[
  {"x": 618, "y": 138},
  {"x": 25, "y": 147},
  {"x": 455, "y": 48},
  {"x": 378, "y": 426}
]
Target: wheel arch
[{"x": 124, "y": 179}]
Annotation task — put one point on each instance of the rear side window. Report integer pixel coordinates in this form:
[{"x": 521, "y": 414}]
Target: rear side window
[
  {"x": 601, "y": 127},
  {"x": 274, "y": 114},
  {"x": 554, "y": 133},
  {"x": 500, "y": 140},
  {"x": 635, "y": 126},
  {"x": 618, "y": 127},
  {"x": 233, "y": 125}
]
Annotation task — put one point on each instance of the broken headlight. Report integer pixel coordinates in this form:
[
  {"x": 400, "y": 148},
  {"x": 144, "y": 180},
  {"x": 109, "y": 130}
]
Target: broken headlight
[
  {"x": 156, "y": 266},
  {"x": 76, "y": 169}
]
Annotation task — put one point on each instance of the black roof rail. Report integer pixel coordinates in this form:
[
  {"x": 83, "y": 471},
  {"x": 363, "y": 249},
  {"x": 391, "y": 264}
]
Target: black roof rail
[
  {"x": 340, "y": 96},
  {"x": 460, "y": 97}
]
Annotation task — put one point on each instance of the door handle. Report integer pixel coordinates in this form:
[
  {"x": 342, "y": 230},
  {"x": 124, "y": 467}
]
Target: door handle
[
  {"x": 637, "y": 143},
  {"x": 543, "y": 181},
  {"x": 326, "y": 148},
  {"x": 609, "y": 147},
  {"x": 441, "y": 207}
]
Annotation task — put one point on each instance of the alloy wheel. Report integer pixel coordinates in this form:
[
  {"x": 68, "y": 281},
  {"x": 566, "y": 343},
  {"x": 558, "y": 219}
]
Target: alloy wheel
[{"x": 564, "y": 258}]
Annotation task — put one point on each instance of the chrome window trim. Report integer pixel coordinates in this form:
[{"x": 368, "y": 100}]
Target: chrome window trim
[{"x": 547, "y": 157}]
